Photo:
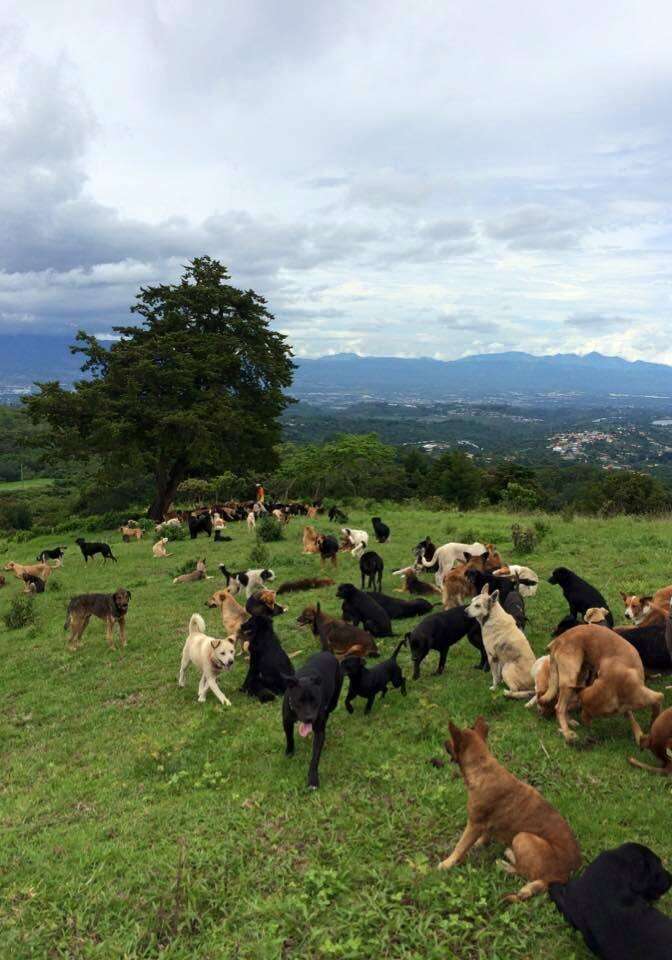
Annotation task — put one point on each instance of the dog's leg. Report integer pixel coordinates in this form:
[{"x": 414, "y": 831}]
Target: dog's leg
[
  {"x": 211, "y": 683},
  {"x": 443, "y": 656},
  {"x": 288, "y": 726},
  {"x": 637, "y": 731},
  {"x": 122, "y": 631},
  {"x": 369, "y": 703},
  {"x": 469, "y": 837},
  {"x": 184, "y": 663},
  {"x": 561, "y": 713},
  {"x": 318, "y": 743},
  {"x": 496, "y": 667},
  {"x": 109, "y": 632},
  {"x": 202, "y": 688}
]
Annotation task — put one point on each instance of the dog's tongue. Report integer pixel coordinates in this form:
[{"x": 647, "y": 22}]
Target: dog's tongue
[{"x": 305, "y": 729}]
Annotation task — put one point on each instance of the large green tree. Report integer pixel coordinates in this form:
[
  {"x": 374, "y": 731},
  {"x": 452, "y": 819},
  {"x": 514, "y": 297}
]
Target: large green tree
[{"x": 196, "y": 386}]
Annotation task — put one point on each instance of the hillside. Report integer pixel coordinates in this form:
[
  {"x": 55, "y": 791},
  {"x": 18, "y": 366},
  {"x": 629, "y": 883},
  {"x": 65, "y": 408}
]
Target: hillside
[{"x": 138, "y": 822}]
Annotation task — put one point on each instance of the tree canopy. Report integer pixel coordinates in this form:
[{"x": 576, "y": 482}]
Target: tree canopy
[{"x": 196, "y": 387}]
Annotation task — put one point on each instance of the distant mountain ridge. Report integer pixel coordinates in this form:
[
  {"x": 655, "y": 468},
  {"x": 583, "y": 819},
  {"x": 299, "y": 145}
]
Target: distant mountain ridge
[{"x": 25, "y": 358}]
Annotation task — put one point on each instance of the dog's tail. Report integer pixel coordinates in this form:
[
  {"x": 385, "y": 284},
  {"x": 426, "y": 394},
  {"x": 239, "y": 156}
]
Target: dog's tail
[
  {"x": 399, "y": 646},
  {"x": 196, "y": 624},
  {"x": 553, "y": 683},
  {"x": 647, "y": 766},
  {"x": 66, "y": 625}
]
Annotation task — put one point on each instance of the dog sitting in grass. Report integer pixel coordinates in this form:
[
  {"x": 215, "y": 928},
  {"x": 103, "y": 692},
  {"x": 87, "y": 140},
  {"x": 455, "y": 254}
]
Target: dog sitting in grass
[
  {"x": 209, "y": 655},
  {"x": 110, "y": 607}
]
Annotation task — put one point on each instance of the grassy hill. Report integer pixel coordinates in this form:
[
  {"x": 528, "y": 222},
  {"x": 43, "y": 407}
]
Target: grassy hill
[{"x": 137, "y": 822}]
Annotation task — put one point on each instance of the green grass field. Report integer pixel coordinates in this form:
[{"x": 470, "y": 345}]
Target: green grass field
[
  {"x": 18, "y": 486},
  {"x": 137, "y": 822}
]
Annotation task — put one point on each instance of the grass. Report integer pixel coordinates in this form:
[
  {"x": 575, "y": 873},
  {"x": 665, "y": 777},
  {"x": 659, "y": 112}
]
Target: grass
[
  {"x": 17, "y": 486},
  {"x": 137, "y": 822}
]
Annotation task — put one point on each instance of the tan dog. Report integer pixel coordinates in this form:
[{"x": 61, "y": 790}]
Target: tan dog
[
  {"x": 251, "y": 521},
  {"x": 41, "y": 570},
  {"x": 596, "y": 615},
  {"x": 658, "y": 740},
  {"x": 209, "y": 655},
  {"x": 456, "y": 587},
  {"x": 233, "y": 615},
  {"x": 197, "y": 574},
  {"x": 159, "y": 549},
  {"x": 643, "y": 611},
  {"x": 131, "y": 533},
  {"x": 540, "y": 844},
  {"x": 494, "y": 561},
  {"x": 310, "y": 540},
  {"x": 618, "y": 687},
  {"x": 413, "y": 584},
  {"x": 510, "y": 655}
]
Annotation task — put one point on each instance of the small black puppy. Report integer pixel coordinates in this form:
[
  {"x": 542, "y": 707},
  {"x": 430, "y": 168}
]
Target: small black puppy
[
  {"x": 336, "y": 515},
  {"x": 440, "y": 632},
  {"x": 358, "y": 607},
  {"x": 402, "y": 609},
  {"x": 371, "y": 566},
  {"x": 56, "y": 554},
  {"x": 610, "y": 904},
  {"x": 579, "y": 594},
  {"x": 367, "y": 683},
  {"x": 381, "y": 530},
  {"x": 269, "y": 664},
  {"x": 36, "y": 583},
  {"x": 199, "y": 524},
  {"x": 311, "y": 695},
  {"x": 91, "y": 549}
]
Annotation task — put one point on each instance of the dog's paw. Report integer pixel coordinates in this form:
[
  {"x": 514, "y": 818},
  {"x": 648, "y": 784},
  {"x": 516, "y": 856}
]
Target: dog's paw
[{"x": 570, "y": 736}]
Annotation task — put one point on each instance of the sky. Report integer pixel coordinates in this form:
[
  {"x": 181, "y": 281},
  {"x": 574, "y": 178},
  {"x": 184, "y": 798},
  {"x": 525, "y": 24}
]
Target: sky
[{"x": 407, "y": 179}]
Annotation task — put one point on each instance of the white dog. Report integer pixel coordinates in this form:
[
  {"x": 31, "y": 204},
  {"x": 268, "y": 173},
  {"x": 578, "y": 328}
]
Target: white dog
[
  {"x": 251, "y": 520},
  {"x": 449, "y": 553},
  {"x": 251, "y": 580},
  {"x": 209, "y": 655},
  {"x": 159, "y": 549},
  {"x": 357, "y": 539},
  {"x": 510, "y": 656},
  {"x": 528, "y": 579}
]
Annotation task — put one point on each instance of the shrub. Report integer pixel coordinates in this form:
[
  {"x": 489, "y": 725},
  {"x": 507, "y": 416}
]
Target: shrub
[
  {"x": 172, "y": 533},
  {"x": 20, "y": 614},
  {"x": 194, "y": 490},
  {"x": 17, "y": 516},
  {"x": 524, "y": 541},
  {"x": 517, "y": 497},
  {"x": 259, "y": 555},
  {"x": 269, "y": 529},
  {"x": 543, "y": 528},
  {"x": 567, "y": 513}
]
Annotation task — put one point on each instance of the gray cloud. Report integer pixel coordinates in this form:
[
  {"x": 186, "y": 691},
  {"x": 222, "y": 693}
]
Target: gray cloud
[
  {"x": 536, "y": 227},
  {"x": 591, "y": 323}
]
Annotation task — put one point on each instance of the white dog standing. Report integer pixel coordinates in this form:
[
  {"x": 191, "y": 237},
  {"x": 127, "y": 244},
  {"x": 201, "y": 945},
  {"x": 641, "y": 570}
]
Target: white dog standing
[
  {"x": 358, "y": 540},
  {"x": 451, "y": 553},
  {"x": 209, "y": 655}
]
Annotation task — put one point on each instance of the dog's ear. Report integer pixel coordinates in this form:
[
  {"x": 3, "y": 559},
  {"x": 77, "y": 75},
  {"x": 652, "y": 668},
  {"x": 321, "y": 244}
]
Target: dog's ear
[
  {"x": 481, "y": 728},
  {"x": 467, "y": 557},
  {"x": 485, "y": 592},
  {"x": 215, "y": 644},
  {"x": 129, "y": 594},
  {"x": 290, "y": 680},
  {"x": 494, "y": 598},
  {"x": 484, "y": 556},
  {"x": 453, "y": 745},
  {"x": 624, "y": 597},
  {"x": 645, "y": 600}
]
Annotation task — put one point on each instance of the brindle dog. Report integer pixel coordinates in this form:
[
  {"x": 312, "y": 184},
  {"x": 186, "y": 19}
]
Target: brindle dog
[{"x": 110, "y": 607}]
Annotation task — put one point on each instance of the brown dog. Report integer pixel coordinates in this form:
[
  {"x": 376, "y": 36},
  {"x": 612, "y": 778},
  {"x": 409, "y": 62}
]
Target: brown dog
[
  {"x": 413, "y": 584},
  {"x": 41, "y": 570},
  {"x": 130, "y": 533},
  {"x": 618, "y": 687},
  {"x": 658, "y": 740},
  {"x": 457, "y": 588},
  {"x": 233, "y": 614},
  {"x": 337, "y": 636},
  {"x": 310, "y": 540},
  {"x": 540, "y": 844},
  {"x": 638, "y": 609},
  {"x": 110, "y": 607}
]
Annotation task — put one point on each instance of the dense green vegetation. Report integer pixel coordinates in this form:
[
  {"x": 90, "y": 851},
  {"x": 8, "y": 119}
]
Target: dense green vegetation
[{"x": 140, "y": 823}]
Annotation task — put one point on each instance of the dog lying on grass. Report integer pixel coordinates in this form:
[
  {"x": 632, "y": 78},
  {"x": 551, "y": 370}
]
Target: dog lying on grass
[
  {"x": 402, "y": 609},
  {"x": 658, "y": 740},
  {"x": 540, "y": 844},
  {"x": 310, "y": 698},
  {"x": 368, "y": 682},
  {"x": 610, "y": 904},
  {"x": 413, "y": 584},
  {"x": 337, "y": 636},
  {"x": 110, "y": 607},
  {"x": 638, "y": 608},
  {"x": 159, "y": 549},
  {"x": 198, "y": 574},
  {"x": 209, "y": 655},
  {"x": 309, "y": 583}
]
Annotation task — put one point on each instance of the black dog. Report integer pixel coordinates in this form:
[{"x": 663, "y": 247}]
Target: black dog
[
  {"x": 515, "y": 605},
  {"x": 56, "y": 554},
  {"x": 649, "y": 642},
  {"x": 256, "y": 606},
  {"x": 425, "y": 550},
  {"x": 610, "y": 904},
  {"x": 269, "y": 664},
  {"x": 371, "y": 567},
  {"x": 202, "y": 523},
  {"x": 367, "y": 683},
  {"x": 311, "y": 695},
  {"x": 440, "y": 632},
  {"x": 579, "y": 595},
  {"x": 328, "y": 547},
  {"x": 91, "y": 549},
  {"x": 381, "y": 530},
  {"x": 218, "y": 538},
  {"x": 402, "y": 609},
  {"x": 337, "y": 515},
  {"x": 358, "y": 607},
  {"x": 36, "y": 584}
]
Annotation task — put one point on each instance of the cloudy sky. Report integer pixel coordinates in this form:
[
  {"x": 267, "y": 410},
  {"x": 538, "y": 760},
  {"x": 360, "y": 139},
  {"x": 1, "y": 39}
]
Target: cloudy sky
[{"x": 426, "y": 178}]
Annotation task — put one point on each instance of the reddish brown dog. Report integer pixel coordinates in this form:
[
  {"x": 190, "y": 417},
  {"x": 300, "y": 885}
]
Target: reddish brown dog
[
  {"x": 658, "y": 740},
  {"x": 618, "y": 687},
  {"x": 540, "y": 844}
]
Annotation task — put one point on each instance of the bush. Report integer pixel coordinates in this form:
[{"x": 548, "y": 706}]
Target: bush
[
  {"x": 543, "y": 528},
  {"x": 17, "y": 516},
  {"x": 567, "y": 513},
  {"x": 172, "y": 533},
  {"x": 524, "y": 541},
  {"x": 269, "y": 529},
  {"x": 259, "y": 555},
  {"x": 20, "y": 614},
  {"x": 518, "y": 497},
  {"x": 194, "y": 490}
]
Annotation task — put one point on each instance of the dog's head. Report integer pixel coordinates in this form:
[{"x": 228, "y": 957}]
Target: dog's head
[
  {"x": 640, "y": 872},
  {"x": 467, "y": 740},
  {"x": 218, "y": 598},
  {"x": 346, "y": 591},
  {"x": 222, "y": 653},
  {"x": 81, "y": 541},
  {"x": 10, "y": 566},
  {"x": 121, "y": 599},
  {"x": 267, "y": 576},
  {"x": 560, "y": 576},
  {"x": 307, "y": 617},
  {"x": 305, "y": 699},
  {"x": 481, "y": 605},
  {"x": 352, "y": 666},
  {"x": 636, "y": 608},
  {"x": 596, "y": 615},
  {"x": 267, "y": 597}
]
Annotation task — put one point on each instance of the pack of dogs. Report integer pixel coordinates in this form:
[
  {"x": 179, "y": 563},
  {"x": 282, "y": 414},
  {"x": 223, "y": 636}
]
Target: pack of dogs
[{"x": 591, "y": 669}]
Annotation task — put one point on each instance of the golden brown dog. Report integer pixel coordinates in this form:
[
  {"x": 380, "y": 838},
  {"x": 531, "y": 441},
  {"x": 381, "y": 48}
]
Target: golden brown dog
[
  {"x": 310, "y": 540},
  {"x": 41, "y": 570},
  {"x": 540, "y": 844},
  {"x": 618, "y": 687},
  {"x": 658, "y": 740},
  {"x": 456, "y": 587},
  {"x": 233, "y": 614},
  {"x": 198, "y": 574},
  {"x": 131, "y": 533},
  {"x": 647, "y": 610}
]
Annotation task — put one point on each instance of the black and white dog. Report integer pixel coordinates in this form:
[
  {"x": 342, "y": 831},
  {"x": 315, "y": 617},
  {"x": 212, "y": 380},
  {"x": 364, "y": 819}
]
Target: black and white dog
[
  {"x": 249, "y": 580},
  {"x": 56, "y": 554}
]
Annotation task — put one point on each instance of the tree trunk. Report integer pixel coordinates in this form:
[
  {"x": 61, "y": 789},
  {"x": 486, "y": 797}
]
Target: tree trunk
[{"x": 166, "y": 488}]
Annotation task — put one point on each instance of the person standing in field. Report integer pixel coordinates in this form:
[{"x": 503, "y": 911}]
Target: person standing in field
[{"x": 260, "y": 493}]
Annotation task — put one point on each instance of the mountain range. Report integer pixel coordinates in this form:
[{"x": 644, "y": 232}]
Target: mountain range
[{"x": 25, "y": 358}]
